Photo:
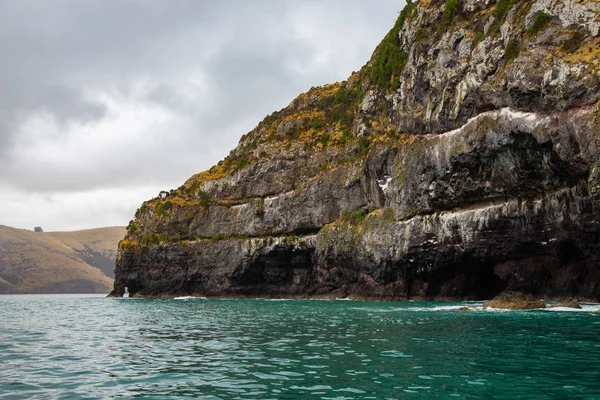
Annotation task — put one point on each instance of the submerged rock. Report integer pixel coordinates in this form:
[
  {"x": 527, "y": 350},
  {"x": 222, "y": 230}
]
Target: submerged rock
[
  {"x": 515, "y": 301},
  {"x": 570, "y": 303},
  {"x": 460, "y": 162}
]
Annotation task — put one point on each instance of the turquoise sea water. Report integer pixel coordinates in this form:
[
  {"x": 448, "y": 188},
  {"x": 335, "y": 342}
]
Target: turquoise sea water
[{"x": 89, "y": 347}]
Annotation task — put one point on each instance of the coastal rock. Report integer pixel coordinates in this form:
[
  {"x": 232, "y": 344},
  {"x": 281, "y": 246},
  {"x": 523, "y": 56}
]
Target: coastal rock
[
  {"x": 515, "y": 301},
  {"x": 460, "y": 162},
  {"x": 570, "y": 303}
]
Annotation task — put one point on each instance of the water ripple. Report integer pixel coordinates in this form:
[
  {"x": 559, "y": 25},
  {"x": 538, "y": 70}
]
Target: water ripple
[{"x": 63, "y": 347}]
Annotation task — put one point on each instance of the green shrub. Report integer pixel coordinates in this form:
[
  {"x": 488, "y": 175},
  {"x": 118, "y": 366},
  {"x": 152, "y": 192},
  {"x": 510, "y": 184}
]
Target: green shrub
[
  {"x": 479, "y": 36},
  {"x": 345, "y": 102},
  {"x": 140, "y": 211},
  {"x": 131, "y": 228},
  {"x": 390, "y": 59},
  {"x": 511, "y": 51},
  {"x": 340, "y": 107},
  {"x": 502, "y": 9},
  {"x": 324, "y": 139},
  {"x": 364, "y": 145},
  {"x": 164, "y": 207},
  {"x": 318, "y": 123},
  {"x": 289, "y": 239},
  {"x": 388, "y": 66},
  {"x": 221, "y": 236},
  {"x": 242, "y": 162},
  {"x": 346, "y": 136},
  {"x": 354, "y": 217},
  {"x": 539, "y": 22},
  {"x": 149, "y": 239},
  {"x": 204, "y": 199},
  {"x": 450, "y": 10}
]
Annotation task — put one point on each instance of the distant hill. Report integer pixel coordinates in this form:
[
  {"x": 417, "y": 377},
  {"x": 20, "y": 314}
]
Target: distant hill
[{"x": 58, "y": 262}]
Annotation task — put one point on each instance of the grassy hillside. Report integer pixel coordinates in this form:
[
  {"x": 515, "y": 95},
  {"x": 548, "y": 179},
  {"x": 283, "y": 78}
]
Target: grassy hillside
[{"x": 58, "y": 262}]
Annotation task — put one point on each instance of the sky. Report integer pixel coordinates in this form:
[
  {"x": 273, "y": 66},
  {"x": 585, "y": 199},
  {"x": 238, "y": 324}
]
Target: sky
[{"x": 104, "y": 103}]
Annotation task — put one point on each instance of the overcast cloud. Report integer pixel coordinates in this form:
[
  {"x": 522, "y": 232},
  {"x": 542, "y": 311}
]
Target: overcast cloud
[{"x": 103, "y": 103}]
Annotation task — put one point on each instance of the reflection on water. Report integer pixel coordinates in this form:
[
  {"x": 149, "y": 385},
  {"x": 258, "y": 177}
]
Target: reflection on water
[{"x": 91, "y": 347}]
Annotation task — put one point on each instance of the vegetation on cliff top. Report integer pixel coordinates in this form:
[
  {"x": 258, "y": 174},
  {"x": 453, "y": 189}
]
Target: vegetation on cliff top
[
  {"x": 389, "y": 58},
  {"x": 324, "y": 118}
]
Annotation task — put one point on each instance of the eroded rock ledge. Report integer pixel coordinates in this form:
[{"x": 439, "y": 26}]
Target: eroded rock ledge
[{"x": 478, "y": 213}]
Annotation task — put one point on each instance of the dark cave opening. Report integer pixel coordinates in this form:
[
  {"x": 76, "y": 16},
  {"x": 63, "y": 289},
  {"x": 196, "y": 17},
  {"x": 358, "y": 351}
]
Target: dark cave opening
[
  {"x": 568, "y": 252},
  {"x": 275, "y": 268},
  {"x": 468, "y": 281}
]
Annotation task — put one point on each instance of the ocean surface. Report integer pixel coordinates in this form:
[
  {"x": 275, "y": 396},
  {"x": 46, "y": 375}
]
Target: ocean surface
[{"x": 90, "y": 347}]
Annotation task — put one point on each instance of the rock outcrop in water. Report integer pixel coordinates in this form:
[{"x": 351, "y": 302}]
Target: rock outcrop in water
[
  {"x": 569, "y": 303},
  {"x": 460, "y": 162},
  {"x": 515, "y": 301}
]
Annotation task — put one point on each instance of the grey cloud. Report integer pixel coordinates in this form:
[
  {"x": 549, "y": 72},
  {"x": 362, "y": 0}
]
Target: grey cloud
[{"x": 251, "y": 57}]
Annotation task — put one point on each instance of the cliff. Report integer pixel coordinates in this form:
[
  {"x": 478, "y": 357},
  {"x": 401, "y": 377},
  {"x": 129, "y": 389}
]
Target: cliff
[
  {"x": 58, "y": 262},
  {"x": 459, "y": 162}
]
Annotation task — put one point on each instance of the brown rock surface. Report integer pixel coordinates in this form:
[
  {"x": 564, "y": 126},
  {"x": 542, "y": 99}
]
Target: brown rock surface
[
  {"x": 570, "y": 303},
  {"x": 514, "y": 301}
]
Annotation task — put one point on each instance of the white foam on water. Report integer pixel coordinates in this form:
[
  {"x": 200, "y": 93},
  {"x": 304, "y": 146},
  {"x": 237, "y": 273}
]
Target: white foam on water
[
  {"x": 553, "y": 309},
  {"x": 396, "y": 354},
  {"x": 475, "y": 383},
  {"x": 351, "y": 390},
  {"x": 455, "y": 308},
  {"x": 586, "y": 308},
  {"x": 188, "y": 298},
  {"x": 383, "y": 310},
  {"x": 504, "y": 310},
  {"x": 276, "y": 299},
  {"x": 414, "y": 309},
  {"x": 471, "y": 305}
]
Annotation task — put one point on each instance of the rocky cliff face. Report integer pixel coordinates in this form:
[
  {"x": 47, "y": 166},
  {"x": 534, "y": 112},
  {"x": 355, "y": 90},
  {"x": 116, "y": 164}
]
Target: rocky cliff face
[{"x": 461, "y": 161}]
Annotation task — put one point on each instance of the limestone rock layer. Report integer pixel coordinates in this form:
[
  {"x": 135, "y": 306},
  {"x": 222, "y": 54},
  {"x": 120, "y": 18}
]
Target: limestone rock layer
[{"x": 461, "y": 161}]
